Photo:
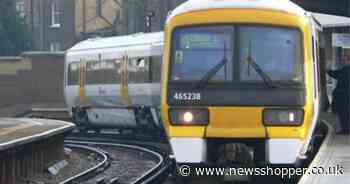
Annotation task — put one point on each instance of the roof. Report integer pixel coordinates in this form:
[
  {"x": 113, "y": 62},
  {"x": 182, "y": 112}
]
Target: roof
[
  {"x": 279, "y": 5},
  {"x": 42, "y": 53},
  {"x": 119, "y": 41},
  {"x": 10, "y": 58},
  {"x": 328, "y": 21}
]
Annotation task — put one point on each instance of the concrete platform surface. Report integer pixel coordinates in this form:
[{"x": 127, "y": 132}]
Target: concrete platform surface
[
  {"x": 334, "y": 153},
  {"x": 19, "y": 131}
]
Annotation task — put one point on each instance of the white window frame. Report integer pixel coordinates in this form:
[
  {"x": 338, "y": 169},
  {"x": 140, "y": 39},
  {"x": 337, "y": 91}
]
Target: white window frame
[
  {"x": 55, "y": 46},
  {"x": 20, "y": 8},
  {"x": 55, "y": 15}
]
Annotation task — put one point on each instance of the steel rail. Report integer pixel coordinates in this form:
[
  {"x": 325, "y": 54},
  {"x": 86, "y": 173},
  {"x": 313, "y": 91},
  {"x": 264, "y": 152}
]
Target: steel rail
[
  {"x": 91, "y": 170},
  {"x": 146, "y": 176}
]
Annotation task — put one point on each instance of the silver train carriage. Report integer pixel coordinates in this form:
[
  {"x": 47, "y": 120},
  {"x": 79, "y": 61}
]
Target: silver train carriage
[{"x": 115, "y": 82}]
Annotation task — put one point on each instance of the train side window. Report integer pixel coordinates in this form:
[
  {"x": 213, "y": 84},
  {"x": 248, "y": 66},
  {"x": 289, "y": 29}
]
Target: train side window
[
  {"x": 318, "y": 66},
  {"x": 103, "y": 72},
  {"x": 73, "y": 74},
  {"x": 118, "y": 69},
  {"x": 92, "y": 74},
  {"x": 141, "y": 62},
  {"x": 156, "y": 68},
  {"x": 313, "y": 49},
  {"x": 316, "y": 63},
  {"x": 111, "y": 73},
  {"x": 316, "y": 58},
  {"x": 89, "y": 72},
  {"x": 138, "y": 69}
]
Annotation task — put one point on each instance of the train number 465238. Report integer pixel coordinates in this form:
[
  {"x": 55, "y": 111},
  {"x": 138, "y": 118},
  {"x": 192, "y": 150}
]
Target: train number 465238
[{"x": 187, "y": 96}]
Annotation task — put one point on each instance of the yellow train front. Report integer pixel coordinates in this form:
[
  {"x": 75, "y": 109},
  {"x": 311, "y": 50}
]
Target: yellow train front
[{"x": 240, "y": 73}]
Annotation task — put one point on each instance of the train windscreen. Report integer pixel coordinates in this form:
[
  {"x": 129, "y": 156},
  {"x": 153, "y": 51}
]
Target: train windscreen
[{"x": 237, "y": 53}]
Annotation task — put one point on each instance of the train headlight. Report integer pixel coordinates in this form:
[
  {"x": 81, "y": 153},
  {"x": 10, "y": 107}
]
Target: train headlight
[
  {"x": 189, "y": 116},
  {"x": 283, "y": 117}
]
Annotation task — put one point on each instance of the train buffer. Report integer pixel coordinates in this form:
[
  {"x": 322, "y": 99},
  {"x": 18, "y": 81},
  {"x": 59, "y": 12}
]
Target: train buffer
[
  {"x": 332, "y": 162},
  {"x": 28, "y": 146}
]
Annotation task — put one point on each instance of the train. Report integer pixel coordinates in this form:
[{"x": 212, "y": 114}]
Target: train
[
  {"x": 115, "y": 82},
  {"x": 225, "y": 78},
  {"x": 241, "y": 82}
]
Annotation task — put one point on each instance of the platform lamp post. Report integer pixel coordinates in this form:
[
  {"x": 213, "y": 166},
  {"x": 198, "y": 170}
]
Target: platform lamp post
[{"x": 149, "y": 17}]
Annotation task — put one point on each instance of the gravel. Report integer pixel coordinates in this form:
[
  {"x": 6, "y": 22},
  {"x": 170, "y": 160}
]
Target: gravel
[
  {"x": 78, "y": 161},
  {"x": 127, "y": 165}
]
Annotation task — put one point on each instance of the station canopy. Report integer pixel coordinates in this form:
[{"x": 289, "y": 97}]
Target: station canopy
[{"x": 330, "y": 21}]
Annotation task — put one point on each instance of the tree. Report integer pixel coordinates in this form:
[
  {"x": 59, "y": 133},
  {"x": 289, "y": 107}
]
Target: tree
[{"x": 14, "y": 37}]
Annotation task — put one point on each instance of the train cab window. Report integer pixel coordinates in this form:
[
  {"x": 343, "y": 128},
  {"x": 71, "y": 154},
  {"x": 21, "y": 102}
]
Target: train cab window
[
  {"x": 237, "y": 54},
  {"x": 73, "y": 74},
  {"x": 138, "y": 69},
  {"x": 277, "y": 51},
  {"x": 197, "y": 50}
]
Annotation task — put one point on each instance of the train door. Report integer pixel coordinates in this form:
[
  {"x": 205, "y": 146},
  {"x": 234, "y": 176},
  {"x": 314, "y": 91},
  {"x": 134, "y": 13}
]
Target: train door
[
  {"x": 82, "y": 84},
  {"x": 125, "y": 82}
]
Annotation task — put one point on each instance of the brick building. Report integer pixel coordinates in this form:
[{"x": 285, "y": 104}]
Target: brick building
[
  {"x": 146, "y": 15},
  {"x": 96, "y": 17},
  {"x": 59, "y": 24},
  {"x": 51, "y": 23}
]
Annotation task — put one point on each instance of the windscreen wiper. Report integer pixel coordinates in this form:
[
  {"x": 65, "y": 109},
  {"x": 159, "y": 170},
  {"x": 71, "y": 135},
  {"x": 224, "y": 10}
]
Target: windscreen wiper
[
  {"x": 264, "y": 76},
  {"x": 206, "y": 78}
]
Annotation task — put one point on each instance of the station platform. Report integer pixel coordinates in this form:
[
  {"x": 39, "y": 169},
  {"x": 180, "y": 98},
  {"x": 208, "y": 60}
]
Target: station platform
[
  {"x": 28, "y": 146},
  {"x": 51, "y": 113},
  {"x": 22, "y": 110},
  {"x": 15, "y": 132},
  {"x": 334, "y": 153}
]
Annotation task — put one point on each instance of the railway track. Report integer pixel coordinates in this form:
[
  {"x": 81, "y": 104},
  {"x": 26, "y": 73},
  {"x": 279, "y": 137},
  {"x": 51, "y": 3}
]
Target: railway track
[
  {"x": 153, "y": 145},
  {"x": 100, "y": 144},
  {"x": 154, "y": 174},
  {"x": 78, "y": 178}
]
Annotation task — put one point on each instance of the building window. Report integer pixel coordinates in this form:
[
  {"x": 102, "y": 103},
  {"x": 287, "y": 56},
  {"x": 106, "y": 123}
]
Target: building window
[
  {"x": 55, "y": 15},
  {"x": 20, "y": 8},
  {"x": 55, "y": 46}
]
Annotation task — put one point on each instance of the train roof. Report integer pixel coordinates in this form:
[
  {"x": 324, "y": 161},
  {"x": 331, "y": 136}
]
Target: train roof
[
  {"x": 279, "y": 5},
  {"x": 119, "y": 41}
]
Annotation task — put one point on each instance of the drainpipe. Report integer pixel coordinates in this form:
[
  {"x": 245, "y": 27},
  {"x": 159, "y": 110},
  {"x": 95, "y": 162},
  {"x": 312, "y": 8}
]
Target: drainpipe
[{"x": 84, "y": 17}]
